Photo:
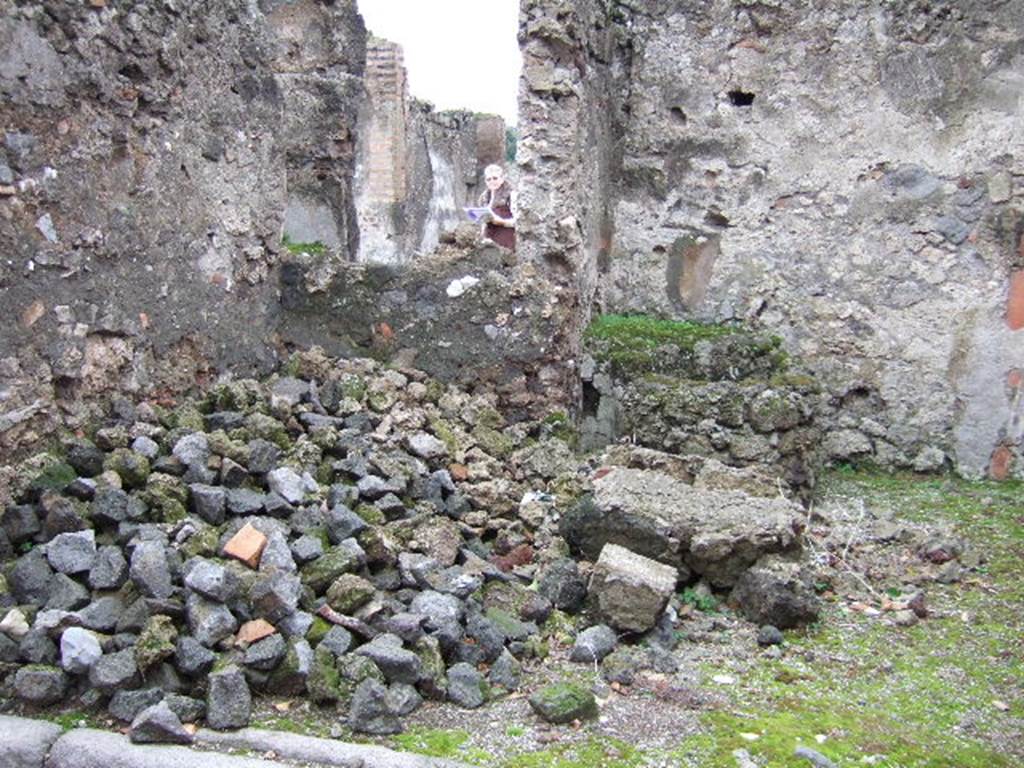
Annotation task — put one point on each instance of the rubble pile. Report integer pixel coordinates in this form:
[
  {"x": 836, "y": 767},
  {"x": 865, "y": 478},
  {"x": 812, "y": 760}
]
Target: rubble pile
[{"x": 359, "y": 535}]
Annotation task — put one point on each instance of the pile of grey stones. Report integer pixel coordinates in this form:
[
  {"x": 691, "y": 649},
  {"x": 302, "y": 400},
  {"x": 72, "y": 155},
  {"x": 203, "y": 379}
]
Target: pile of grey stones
[{"x": 349, "y": 533}]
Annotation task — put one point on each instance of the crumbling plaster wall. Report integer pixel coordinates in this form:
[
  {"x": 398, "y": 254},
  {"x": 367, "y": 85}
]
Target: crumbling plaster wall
[
  {"x": 151, "y": 151},
  {"x": 849, "y": 175}
]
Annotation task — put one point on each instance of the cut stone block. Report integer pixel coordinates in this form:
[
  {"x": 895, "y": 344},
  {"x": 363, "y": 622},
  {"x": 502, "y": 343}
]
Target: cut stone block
[
  {"x": 718, "y": 534},
  {"x": 247, "y": 545},
  {"x": 629, "y": 591}
]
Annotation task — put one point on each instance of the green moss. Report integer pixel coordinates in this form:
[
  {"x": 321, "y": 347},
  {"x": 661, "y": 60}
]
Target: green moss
[
  {"x": 202, "y": 543},
  {"x": 630, "y": 340},
  {"x": 324, "y": 683},
  {"x": 922, "y": 696},
  {"x": 489, "y": 417},
  {"x": 186, "y": 416},
  {"x": 56, "y": 476},
  {"x": 222, "y": 445},
  {"x": 133, "y": 468},
  {"x": 595, "y": 752},
  {"x": 167, "y": 497},
  {"x": 440, "y": 743},
  {"x": 317, "y": 631},
  {"x": 443, "y": 431},
  {"x": 435, "y": 391},
  {"x": 268, "y": 428},
  {"x": 315, "y": 248},
  {"x": 301, "y": 721},
  {"x": 496, "y": 443},
  {"x": 321, "y": 573},
  {"x": 704, "y": 602},
  {"x": 370, "y": 514},
  {"x": 560, "y": 426},
  {"x": 71, "y": 719},
  {"x": 156, "y": 642},
  {"x": 564, "y": 702},
  {"x": 559, "y": 626}
]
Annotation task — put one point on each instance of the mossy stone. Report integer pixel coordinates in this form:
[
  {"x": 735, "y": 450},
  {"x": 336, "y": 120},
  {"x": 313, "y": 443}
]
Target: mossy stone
[
  {"x": 322, "y": 572},
  {"x": 496, "y": 443},
  {"x": 564, "y": 703},
  {"x": 167, "y": 497},
  {"x": 203, "y": 543},
  {"x": 239, "y": 395},
  {"x": 222, "y": 445},
  {"x": 317, "y": 631},
  {"x": 156, "y": 642},
  {"x": 432, "y": 679},
  {"x": 353, "y": 387},
  {"x": 131, "y": 467},
  {"x": 349, "y": 592},
  {"x": 444, "y": 432},
  {"x": 324, "y": 683},
  {"x": 56, "y": 476},
  {"x": 268, "y": 428},
  {"x": 370, "y": 514},
  {"x": 188, "y": 417}
]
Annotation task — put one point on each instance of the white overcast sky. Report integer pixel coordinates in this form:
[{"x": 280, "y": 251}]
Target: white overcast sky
[{"x": 460, "y": 54}]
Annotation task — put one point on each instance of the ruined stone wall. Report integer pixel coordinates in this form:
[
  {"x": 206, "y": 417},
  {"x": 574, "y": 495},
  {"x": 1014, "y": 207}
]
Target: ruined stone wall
[
  {"x": 848, "y": 175},
  {"x": 152, "y": 153},
  {"x": 575, "y": 60},
  {"x": 466, "y": 314},
  {"x": 417, "y": 168}
]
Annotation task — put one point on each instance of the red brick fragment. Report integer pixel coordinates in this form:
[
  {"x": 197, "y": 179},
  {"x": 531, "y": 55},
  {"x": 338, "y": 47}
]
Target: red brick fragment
[
  {"x": 999, "y": 466},
  {"x": 254, "y": 631},
  {"x": 247, "y": 545},
  {"x": 1015, "y": 301}
]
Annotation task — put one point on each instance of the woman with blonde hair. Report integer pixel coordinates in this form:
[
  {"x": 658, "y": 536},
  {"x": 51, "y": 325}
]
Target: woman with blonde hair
[{"x": 500, "y": 200}]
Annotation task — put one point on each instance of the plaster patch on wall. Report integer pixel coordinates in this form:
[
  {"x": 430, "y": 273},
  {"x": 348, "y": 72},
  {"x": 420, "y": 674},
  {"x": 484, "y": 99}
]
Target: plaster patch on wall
[{"x": 690, "y": 265}]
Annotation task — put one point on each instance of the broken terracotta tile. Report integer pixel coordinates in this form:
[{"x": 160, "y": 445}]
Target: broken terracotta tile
[
  {"x": 246, "y": 545},
  {"x": 254, "y": 631}
]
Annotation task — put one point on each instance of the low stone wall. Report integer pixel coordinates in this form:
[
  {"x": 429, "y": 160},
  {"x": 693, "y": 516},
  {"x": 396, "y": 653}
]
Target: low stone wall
[
  {"x": 711, "y": 391},
  {"x": 465, "y": 314}
]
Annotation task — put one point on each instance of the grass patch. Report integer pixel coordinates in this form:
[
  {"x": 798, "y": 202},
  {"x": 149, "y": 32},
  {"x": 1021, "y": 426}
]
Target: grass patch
[
  {"x": 595, "y": 752},
  {"x": 315, "y": 248},
  {"x": 302, "y": 723},
  {"x": 74, "y": 719},
  {"x": 922, "y": 697},
  {"x": 452, "y": 745},
  {"x": 631, "y": 340}
]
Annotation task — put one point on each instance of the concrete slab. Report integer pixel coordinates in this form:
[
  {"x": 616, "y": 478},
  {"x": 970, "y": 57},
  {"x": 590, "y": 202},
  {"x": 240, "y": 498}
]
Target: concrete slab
[
  {"x": 88, "y": 748},
  {"x": 327, "y": 752},
  {"x": 24, "y": 743}
]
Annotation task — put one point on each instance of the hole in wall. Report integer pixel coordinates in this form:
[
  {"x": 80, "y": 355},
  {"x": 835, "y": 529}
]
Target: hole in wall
[
  {"x": 679, "y": 115},
  {"x": 739, "y": 98},
  {"x": 591, "y": 399}
]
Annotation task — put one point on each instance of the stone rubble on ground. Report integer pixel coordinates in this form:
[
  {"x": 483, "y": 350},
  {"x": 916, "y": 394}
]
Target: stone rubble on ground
[{"x": 276, "y": 543}]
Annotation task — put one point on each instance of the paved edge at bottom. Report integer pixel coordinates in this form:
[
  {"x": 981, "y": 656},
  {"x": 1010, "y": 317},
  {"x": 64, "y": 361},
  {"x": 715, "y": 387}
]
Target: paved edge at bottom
[
  {"x": 328, "y": 752},
  {"x": 28, "y": 743},
  {"x": 24, "y": 743}
]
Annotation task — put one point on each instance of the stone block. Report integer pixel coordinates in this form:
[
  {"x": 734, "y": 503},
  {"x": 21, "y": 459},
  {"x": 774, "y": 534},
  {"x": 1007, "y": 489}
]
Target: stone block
[{"x": 629, "y": 591}]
